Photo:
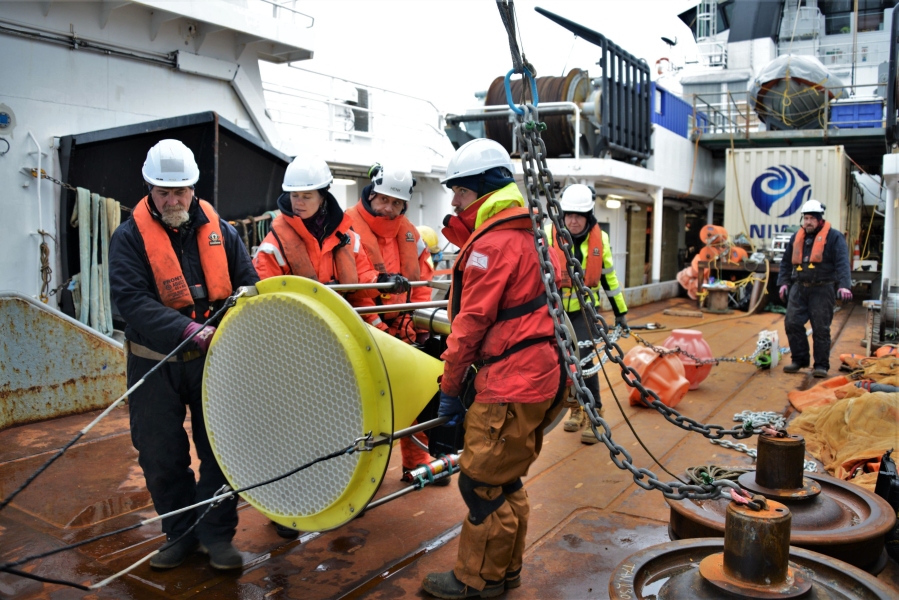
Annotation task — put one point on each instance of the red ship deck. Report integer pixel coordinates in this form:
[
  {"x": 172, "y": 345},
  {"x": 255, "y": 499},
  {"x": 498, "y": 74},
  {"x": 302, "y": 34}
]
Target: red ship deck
[{"x": 587, "y": 516}]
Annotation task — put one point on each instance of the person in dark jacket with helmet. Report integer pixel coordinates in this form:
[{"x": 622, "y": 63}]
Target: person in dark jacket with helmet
[
  {"x": 814, "y": 271},
  {"x": 171, "y": 266}
]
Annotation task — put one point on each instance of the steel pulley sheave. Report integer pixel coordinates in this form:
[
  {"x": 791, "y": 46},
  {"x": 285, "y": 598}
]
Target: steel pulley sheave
[{"x": 559, "y": 136}]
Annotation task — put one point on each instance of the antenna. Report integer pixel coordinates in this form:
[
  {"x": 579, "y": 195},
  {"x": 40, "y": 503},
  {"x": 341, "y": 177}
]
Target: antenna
[{"x": 671, "y": 44}]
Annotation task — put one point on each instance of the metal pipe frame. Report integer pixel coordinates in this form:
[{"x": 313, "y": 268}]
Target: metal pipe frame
[
  {"x": 376, "y": 310},
  {"x": 352, "y": 287}
]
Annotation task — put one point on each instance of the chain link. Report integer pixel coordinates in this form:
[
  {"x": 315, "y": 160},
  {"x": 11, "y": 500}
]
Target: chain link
[
  {"x": 662, "y": 351},
  {"x": 539, "y": 179}
]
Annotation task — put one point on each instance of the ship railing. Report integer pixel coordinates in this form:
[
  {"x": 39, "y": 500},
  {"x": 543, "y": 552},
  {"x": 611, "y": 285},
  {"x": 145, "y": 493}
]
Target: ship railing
[
  {"x": 866, "y": 53},
  {"x": 732, "y": 112},
  {"x": 400, "y": 119},
  {"x": 284, "y": 10},
  {"x": 714, "y": 54}
]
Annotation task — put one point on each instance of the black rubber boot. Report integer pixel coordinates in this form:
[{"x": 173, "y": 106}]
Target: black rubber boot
[
  {"x": 819, "y": 373},
  {"x": 446, "y": 586},
  {"x": 513, "y": 579},
  {"x": 793, "y": 367},
  {"x": 222, "y": 555},
  {"x": 174, "y": 555}
]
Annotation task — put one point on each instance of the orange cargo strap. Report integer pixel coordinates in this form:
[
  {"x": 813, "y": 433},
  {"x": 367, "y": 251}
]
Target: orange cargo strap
[
  {"x": 170, "y": 282},
  {"x": 594, "y": 258},
  {"x": 296, "y": 251},
  {"x": 817, "y": 248},
  {"x": 510, "y": 218},
  {"x": 406, "y": 243}
]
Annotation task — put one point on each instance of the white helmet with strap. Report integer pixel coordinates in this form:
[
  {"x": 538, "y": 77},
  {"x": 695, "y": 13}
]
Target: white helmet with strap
[
  {"x": 476, "y": 157},
  {"x": 306, "y": 173},
  {"x": 393, "y": 182},
  {"x": 812, "y": 206},
  {"x": 578, "y": 198},
  {"x": 170, "y": 164}
]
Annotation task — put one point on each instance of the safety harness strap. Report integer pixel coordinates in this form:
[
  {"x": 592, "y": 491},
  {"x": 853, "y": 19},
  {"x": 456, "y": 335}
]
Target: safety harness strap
[{"x": 506, "y": 314}]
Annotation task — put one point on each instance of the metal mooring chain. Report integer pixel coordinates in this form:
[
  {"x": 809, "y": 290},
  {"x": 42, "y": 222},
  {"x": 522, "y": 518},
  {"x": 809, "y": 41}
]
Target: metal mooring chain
[
  {"x": 538, "y": 177},
  {"x": 748, "y": 358}
]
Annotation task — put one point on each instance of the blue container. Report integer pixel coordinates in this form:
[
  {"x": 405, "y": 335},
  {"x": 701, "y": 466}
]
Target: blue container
[
  {"x": 857, "y": 115},
  {"x": 670, "y": 111}
]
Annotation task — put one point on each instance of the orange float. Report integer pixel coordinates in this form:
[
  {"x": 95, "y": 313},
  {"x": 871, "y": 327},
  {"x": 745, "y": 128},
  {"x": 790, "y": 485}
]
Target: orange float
[
  {"x": 737, "y": 255},
  {"x": 712, "y": 234},
  {"x": 690, "y": 340},
  {"x": 708, "y": 253},
  {"x": 662, "y": 374},
  {"x": 888, "y": 350}
]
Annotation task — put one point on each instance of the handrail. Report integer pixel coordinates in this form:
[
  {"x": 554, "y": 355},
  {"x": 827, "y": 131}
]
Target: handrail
[
  {"x": 577, "y": 117},
  {"x": 293, "y": 10},
  {"x": 365, "y": 85},
  {"x": 735, "y": 113}
]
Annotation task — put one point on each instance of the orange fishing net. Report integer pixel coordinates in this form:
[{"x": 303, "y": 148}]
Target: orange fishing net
[
  {"x": 851, "y": 435},
  {"x": 878, "y": 370}
]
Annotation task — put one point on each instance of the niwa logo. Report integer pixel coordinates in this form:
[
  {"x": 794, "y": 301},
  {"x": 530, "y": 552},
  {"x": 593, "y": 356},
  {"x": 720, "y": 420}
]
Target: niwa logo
[{"x": 779, "y": 187}]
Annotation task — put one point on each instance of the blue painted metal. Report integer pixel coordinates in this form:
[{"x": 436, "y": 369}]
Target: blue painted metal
[
  {"x": 671, "y": 111},
  {"x": 856, "y": 115},
  {"x": 51, "y": 365}
]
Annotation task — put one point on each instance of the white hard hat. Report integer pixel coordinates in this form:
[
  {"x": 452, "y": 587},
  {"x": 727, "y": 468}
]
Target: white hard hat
[
  {"x": 812, "y": 206},
  {"x": 396, "y": 183},
  {"x": 577, "y": 198},
  {"x": 475, "y": 157},
  {"x": 170, "y": 164},
  {"x": 306, "y": 173}
]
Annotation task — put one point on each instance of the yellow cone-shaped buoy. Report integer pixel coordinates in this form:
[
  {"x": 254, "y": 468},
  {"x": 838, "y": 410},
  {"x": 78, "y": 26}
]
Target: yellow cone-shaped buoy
[{"x": 294, "y": 374}]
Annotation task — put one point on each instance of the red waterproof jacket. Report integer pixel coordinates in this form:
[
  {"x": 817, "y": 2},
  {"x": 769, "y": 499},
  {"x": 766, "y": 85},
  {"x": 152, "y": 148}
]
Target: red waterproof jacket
[{"x": 501, "y": 270}]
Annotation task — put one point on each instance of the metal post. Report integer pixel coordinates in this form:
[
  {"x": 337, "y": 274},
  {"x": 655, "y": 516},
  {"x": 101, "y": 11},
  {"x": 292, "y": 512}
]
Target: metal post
[
  {"x": 890, "y": 231},
  {"x": 374, "y": 310},
  {"x": 710, "y": 212},
  {"x": 657, "y": 236}
]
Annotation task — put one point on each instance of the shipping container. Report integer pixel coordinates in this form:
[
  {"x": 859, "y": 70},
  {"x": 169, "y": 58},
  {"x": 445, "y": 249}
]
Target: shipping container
[{"x": 767, "y": 187}]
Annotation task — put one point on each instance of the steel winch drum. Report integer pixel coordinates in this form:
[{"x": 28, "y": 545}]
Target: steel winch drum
[{"x": 294, "y": 374}]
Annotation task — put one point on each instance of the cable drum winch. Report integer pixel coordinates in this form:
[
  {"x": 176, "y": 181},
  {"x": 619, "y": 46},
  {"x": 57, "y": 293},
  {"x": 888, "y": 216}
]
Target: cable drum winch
[
  {"x": 293, "y": 373},
  {"x": 559, "y": 136}
]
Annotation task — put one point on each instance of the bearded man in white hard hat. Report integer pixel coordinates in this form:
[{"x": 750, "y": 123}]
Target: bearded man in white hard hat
[
  {"x": 171, "y": 266},
  {"x": 594, "y": 251},
  {"x": 814, "y": 271}
]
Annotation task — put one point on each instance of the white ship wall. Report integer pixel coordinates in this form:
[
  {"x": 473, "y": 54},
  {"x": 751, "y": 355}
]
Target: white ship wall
[{"x": 52, "y": 91}]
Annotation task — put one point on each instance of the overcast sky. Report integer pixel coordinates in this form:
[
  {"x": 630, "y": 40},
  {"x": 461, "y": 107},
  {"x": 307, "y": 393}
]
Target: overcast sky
[{"x": 445, "y": 50}]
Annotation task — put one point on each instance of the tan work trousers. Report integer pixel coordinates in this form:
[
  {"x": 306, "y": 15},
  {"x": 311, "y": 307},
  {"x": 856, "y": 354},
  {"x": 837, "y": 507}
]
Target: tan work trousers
[{"x": 501, "y": 443}]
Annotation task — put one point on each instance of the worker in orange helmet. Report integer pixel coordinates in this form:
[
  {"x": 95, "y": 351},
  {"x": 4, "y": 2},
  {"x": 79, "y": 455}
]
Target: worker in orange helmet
[{"x": 399, "y": 255}]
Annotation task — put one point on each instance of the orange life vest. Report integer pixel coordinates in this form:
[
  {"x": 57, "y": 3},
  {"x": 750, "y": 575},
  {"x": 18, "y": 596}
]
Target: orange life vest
[
  {"x": 817, "y": 254},
  {"x": 370, "y": 228},
  {"x": 593, "y": 270},
  {"x": 170, "y": 283},
  {"x": 510, "y": 218},
  {"x": 307, "y": 259}
]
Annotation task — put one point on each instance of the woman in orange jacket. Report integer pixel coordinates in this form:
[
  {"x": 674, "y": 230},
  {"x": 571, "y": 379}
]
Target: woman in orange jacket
[{"x": 312, "y": 237}]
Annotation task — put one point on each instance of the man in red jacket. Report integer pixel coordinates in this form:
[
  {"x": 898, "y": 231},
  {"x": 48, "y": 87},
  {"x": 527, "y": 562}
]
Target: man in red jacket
[{"x": 502, "y": 331}]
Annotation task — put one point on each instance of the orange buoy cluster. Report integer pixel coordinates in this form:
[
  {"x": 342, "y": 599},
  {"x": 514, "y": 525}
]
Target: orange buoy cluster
[
  {"x": 690, "y": 340},
  {"x": 663, "y": 374}
]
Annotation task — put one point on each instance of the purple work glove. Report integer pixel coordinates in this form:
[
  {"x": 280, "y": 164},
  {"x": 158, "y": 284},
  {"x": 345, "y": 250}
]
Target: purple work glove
[
  {"x": 203, "y": 338},
  {"x": 844, "y": 294},
  {"x": 783, "y": 292}
]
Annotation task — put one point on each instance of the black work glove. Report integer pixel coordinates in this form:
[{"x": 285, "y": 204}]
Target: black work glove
[
  {"x": 400, "y": 283},
  {"x": 621, "y": 321}
]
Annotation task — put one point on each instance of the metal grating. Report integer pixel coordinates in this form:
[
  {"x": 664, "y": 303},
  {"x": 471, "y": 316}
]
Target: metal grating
[{"x": 280, "y": 391}]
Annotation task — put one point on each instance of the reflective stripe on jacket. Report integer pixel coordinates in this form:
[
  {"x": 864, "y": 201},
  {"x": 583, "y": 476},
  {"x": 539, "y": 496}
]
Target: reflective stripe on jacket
[
  {"x": 591, "y": 263},
  {"x": 289, "y": 249},
  {"x": 170, "y": 283}
]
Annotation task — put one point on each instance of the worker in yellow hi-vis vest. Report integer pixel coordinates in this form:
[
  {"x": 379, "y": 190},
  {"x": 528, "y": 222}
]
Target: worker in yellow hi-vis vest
[{"x": 593, "y": 249}]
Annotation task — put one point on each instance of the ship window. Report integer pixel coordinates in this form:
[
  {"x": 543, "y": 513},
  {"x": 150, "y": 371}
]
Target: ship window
[
  {"x": 658, "y": 101},
  {"x": 838, "y": 15}
]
